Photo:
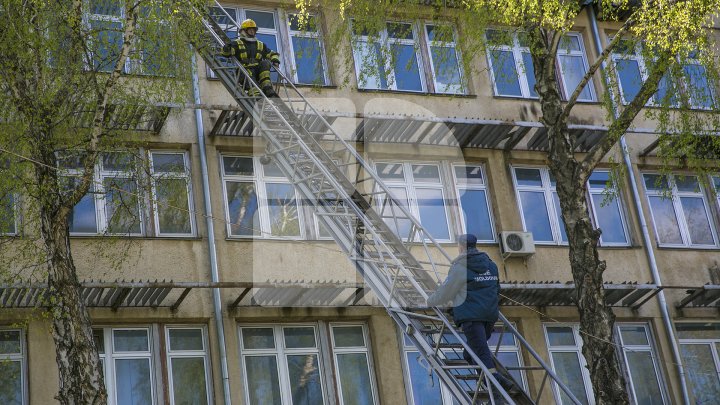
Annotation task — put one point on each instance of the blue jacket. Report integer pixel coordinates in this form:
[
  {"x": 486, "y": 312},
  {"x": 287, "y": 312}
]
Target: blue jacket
[{"x": 473, "y": 287}]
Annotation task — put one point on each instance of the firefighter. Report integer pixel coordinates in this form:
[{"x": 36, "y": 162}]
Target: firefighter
[{"x": 255, "y": 56}]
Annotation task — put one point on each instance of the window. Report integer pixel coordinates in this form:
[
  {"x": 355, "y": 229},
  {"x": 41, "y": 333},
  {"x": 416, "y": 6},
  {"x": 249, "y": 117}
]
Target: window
[
  {"x": 539, "y": 204},
  {"x": 112, "y": 205},
  {"x": 607, "y": 211},
  {"x": 700, "y": 349},
  {"x": 632, "y": 71},
  {"x": 426, "y": 389},
  {"x": 682, "y": 218},
  {"x": 126, "y": 357},
  {"x": 473, "y": 201},
  {"x": 444, "y": 58},
  {"x": 13, "y": 384},
  {"x": 307, "y": 50},
  {"x": 641, "y": 364},
  {"x": 188, "y": 366},
  {"x": 129, "y": 359},
  {"x": 259, "y": 200},
  {"x": 171, "y": 192},
  {"x": 638, "y": 358},
  {"x": 418, "y": 186},
  {"x": 8, "y": 206},
  {"x": 389, "y": 60},
  {"x": 106, "y": 19},
  {"x": 285, "y": 364},
  {"x": 512, "y": 70}
]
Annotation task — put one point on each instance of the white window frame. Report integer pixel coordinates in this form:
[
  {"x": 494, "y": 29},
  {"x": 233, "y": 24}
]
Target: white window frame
[
  {"x": 710, "y": 88},
  {"x": 259, "y": 180},
  {"x": 679, "y": 213},
  {"x": 650, "y": 348},
  {"x": 185, "y": 175},
  {"x": 281, "y": 352},
  {"x": 22, "y": 358},
  {"x": 170, "y": 354},
  {"x": 441, "y": 88},
  {"x": 411, "y": 185},
  {"x": 713, "y": 343},
  {"x": 577, "y": 349},
  {"x": 596, "y": 191},
  {"x": 109, "y": 356},
  {"x": 384, "y": 41},
  {"x": 306, "y": 34},
  {"x": 97, "y": 188},
  {"x": 547, "y": 189},
  {"x": 353, "y": 350},
  {"x": 517, "y": 52},
  {"x": 15, "y": 217},
  {"x": 567, "y": 91},
  {"x": 481, "y": 187}
]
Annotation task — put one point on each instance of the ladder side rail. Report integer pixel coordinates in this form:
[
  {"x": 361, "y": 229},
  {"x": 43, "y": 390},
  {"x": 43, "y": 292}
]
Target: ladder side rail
[{"x": 539, "y": 359}]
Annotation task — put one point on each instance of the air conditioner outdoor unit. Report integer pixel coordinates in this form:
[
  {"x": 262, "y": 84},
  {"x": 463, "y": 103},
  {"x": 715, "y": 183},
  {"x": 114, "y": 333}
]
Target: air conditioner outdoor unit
[{"x": 516, "y": 243}]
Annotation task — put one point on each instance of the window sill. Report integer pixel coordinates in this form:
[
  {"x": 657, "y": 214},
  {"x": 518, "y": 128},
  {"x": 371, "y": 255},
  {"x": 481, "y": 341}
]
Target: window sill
[
  {"x": 686, "y": 248},
  {"x": 137, "y": 237},
  {"x": 417, "y": 93},
  {"x": 501, "y": 97}
]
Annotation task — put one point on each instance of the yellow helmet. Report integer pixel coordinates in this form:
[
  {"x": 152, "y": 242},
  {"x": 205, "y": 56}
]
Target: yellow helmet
[{"x": 248, "y": 24}]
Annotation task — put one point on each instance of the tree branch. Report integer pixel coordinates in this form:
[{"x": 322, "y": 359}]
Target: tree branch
[
  {"x": 595, "y": 66},
  {"x": 621, "y": 124}
]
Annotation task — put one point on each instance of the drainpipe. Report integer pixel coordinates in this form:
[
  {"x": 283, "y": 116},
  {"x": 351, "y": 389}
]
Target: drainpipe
[
  {"x": 649, "y": 250},
  {"x": 212, "y": 252}
]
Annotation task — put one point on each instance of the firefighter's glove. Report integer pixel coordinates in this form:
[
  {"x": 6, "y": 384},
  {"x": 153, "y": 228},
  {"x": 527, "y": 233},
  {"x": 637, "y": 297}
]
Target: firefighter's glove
[{"x": 227, "y": 49}]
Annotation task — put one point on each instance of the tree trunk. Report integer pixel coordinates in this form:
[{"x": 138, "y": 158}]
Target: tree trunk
[
  {"x": 596, "y": 318},
  {"x": 79, "y": 368}
]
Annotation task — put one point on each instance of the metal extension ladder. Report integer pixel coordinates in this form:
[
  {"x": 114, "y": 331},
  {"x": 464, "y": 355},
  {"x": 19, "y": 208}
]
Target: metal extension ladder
[{"x": 398, "y": 259}]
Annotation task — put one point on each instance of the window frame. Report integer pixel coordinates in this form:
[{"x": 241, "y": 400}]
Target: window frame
[
  {"x": 366, "y": 350},
  {"x": 621, "y": 210},
  {"x": 713, "y": 343},
  {"x": 484, "y": 187},
  {"x": 517, "y": 50},
  {"x": 13, "y": 211},
  {"x": 383, "y": 40},
  {"x": 186, "y": 175},
  {"x": 204, "y": 354},
  {"x": 650, "y": 347},
  {"x": 260, "y": 181},
  {"x": 679, "y": 212},
  {"x": 547, "y": 189},
  {"x": 318, "y": 35},
  {"x": 22, "y": 358},
  {"x": 582, "y": 53},
  {"x": 577, "y": 350},
  {"x": 410, "y": 186},
  {"x": 440, "y": 88}
]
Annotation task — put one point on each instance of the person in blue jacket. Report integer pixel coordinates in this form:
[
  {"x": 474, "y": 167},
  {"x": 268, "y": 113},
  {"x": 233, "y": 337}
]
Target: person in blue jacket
[{"x": 472, "y": 288}]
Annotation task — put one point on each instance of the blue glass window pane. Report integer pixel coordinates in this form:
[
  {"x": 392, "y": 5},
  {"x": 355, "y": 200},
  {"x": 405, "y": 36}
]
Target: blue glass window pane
[
  {"x": 701, "y": 373},
  {"x": 473, "y": 204},
  {"x": 656, "y": 182},
  {"x": 122, "y": 205},
  {"x": 283, "y": 209},
  {"x": 510, "y": 359},
  {"x": 609, "y": 220},
  {"x": 83, "y": 218},
  {"x": 698, "y": 223},
  {"x": 106, "y": 7},
  {"x": 133, "y": 381},
  {"x": 567, "y": 367},
  {"x": 242, "y": 203},
  {"x": 425, "y": 388},
  {"x": 108, "y": 37},
  {"x": 698, "y": 86},
  {"x": 263, "y": 385},
  {"x": 446, "y": 69},
  {"x": 643, "y": 377},
  {"x": 407, "y": 74},
  {"x": 558, "y": 213},
  {"x": 11, "y": 382},
  {"x": 666, "y": 92},
  {"x": 304, "y": 375},
  {"x": 528, "y": 177},
  {"x": 263, "y": 19},
  {"x": 370, "y": 66},
  {"x": 630, "y": 79},
  {"x": 529, "y": 73},
  {"x": 573, "y": 71},
  {"x": 505, "y": 74},
  {"x": 666, "y": 224},
  {"x": 354, "y": 377},
  {"x": 308, "y": 60},
  {"x": 598, "y": 180},
  {"x": 189, "y": 385},
  {"x": 433, "y": 216},
  {"x": 536, "y": 215},
  {"x": 402, "y": 227}
]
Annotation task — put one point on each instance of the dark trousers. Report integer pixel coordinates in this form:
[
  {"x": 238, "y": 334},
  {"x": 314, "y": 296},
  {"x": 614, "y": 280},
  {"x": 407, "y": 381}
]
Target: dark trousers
[
  {"x": 477, "y": 334},
  {"x": 261, "y": 74}
]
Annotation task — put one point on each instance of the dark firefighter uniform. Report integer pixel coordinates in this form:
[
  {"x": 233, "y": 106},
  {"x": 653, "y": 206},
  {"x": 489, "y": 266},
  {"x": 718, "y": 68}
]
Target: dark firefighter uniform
[{"x": 256, "y": 57}]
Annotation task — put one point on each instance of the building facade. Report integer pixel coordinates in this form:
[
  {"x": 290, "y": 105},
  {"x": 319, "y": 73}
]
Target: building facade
[{"x": 467, "y": 153}]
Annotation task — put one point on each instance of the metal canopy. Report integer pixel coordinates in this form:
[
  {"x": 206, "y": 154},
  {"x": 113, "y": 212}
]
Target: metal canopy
[
  {"x": 705, "y": 296},
  {"x": 468, "y": 134},
  {"x": 169, "y": 294},
  {"x": 143, "y": 118},
  {"x": 555, "y": 293},
  {"x": 238, "y": 123}
]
